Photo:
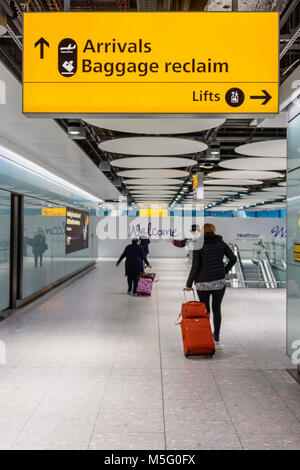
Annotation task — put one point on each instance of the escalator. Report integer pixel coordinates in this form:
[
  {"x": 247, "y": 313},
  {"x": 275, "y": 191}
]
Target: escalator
[
  {"x": 254, "y": 272},
  {"x": 253, "y": 276}
]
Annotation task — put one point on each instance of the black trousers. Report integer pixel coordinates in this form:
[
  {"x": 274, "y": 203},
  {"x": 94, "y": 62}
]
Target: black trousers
[
  {"x": 217, "y": 297},
  {"x": 132, "y": 281},
  {"x": 36, "y": 257}
]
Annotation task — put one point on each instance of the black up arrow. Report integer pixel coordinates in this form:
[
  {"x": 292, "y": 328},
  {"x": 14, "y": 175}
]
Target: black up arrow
[
  {"x": 42, "y": 42},
  {"x": 266, "y": 97}
]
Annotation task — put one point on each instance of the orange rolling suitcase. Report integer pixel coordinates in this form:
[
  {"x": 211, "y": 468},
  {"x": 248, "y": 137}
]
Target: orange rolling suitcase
[
  {"x": 196, "y": 330},
  {"x": 193, "y": 309}
]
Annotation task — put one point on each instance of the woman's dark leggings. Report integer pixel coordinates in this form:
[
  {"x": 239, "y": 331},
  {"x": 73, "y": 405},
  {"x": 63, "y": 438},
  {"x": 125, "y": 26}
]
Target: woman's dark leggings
[
  {"x": 132, "y": 281},
  {"x": 217, "y": 297}
]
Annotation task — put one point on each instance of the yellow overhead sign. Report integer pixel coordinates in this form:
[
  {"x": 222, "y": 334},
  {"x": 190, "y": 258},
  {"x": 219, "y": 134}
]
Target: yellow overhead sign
[
  {"x": 54, "y": 211},
  {"x": 153, "y": 212},
  {"x": 170, "y": 62}
]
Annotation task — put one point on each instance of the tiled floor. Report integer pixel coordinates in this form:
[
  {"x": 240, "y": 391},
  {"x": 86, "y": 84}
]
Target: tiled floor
[{"x": 90, "y": 367}]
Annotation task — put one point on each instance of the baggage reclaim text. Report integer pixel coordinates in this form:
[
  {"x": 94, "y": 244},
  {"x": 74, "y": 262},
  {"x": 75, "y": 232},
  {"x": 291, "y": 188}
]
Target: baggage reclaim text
[{"x": 142, "y": 68}]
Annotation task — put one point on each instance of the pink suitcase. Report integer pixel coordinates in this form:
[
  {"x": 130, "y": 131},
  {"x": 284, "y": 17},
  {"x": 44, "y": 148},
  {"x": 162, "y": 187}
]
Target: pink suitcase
[{"x": 144, "y": 286}]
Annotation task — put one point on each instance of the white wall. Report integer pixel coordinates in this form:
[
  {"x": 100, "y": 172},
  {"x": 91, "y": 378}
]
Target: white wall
[{"x": 242, "y": 231}]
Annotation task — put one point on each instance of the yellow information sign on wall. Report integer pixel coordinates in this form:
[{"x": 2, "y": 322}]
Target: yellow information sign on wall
[
  {"x": 170, "y": 62},
  {"x": 54, "y": 211},
  {"x": 296, "y": 251}
]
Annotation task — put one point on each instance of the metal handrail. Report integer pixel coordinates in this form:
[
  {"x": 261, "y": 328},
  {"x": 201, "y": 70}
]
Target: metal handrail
[
  {"x": 265, "y": 266},
  {"x": 237, "y": 268},
  {"x": 268, "y": 251},
  {"x": 284, "y": 264},
  {"x": 237, "y": 276}
]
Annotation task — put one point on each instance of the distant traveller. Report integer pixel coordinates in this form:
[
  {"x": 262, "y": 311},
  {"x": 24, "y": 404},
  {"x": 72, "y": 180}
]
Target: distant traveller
[
  {"x": 145, "y": 242},
  {"x": 135, "y": 256},
  {"x": 209, "y": 273},
  {"x": 195, "y": 241},
  {"x": 39, "y": 246}
]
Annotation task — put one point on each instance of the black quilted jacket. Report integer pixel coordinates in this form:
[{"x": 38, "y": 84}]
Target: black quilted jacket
[{"x": 208, "y": 262}]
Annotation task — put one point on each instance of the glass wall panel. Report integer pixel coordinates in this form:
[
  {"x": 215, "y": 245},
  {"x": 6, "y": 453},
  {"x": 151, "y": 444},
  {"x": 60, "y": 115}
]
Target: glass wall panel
[
  {"x": 45, "y": 258},
  {"x": 5, "y": 200},
  {"x": 293, "y": 234}
]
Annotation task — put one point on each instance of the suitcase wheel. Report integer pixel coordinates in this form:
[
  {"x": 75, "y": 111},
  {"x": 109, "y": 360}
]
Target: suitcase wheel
[{"x": 188, "y": 353}]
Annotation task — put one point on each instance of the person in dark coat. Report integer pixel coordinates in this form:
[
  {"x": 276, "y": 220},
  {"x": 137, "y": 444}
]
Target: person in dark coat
[
  {"x": 39, "y": 246},
  {"x": 208, "y": 272},
  {"x": 145, "y": 242},
  {"x": 135, "y": 256}
]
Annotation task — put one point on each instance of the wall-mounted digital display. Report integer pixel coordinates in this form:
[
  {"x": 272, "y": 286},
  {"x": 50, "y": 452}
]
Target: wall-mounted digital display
[{"x": 77, "y": 230}]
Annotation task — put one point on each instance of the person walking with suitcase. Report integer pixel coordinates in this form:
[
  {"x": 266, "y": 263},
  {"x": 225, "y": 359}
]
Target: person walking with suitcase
[
  {"x": 209, "y": 273},
  {"x": 134, "y": 255},
  {"x": 145, "y": 242}
]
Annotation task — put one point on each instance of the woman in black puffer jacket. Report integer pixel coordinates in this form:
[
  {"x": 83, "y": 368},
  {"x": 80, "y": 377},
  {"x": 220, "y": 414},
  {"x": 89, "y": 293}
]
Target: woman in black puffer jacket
[{"x": 208, "y": 272}]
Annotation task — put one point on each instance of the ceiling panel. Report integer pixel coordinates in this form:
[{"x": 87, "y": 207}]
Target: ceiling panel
[
  {"x": 156, "y": 126},
  {"x": 255, "y": 164},
  {"x": 155, "y": 192},
  {"x": 228, "y": 189},
  {"x": 264, "y": 148},
  {"x": 233, "y": 182},
  {"x": 243, "y": 175},
  {"x": 153, "y": 187},
  {"x": 153, "y": 162},
  {"x": 218, "y": 209},
  {"x": 275, "y": 190},
  {"x": 275, "y": 205},
  {"x": 219, "y": 193},
  {"x": 154, "y": 182},
  {"x": 152, "y": 146},
  {"x": 266, "y": 194},
  {"x": 153, "y": 173}
]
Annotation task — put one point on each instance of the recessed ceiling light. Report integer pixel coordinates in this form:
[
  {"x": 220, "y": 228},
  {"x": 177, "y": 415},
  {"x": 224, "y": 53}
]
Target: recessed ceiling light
[{"x": 76, "y": 132}]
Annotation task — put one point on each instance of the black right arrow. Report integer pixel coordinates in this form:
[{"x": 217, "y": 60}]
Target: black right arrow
[
  {"x": 42, "y": 42},
  {"x": 266, "y": 97}
]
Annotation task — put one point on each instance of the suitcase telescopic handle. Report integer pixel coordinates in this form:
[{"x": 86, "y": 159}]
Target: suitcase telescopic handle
[{"x": 185, "y": 291}]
